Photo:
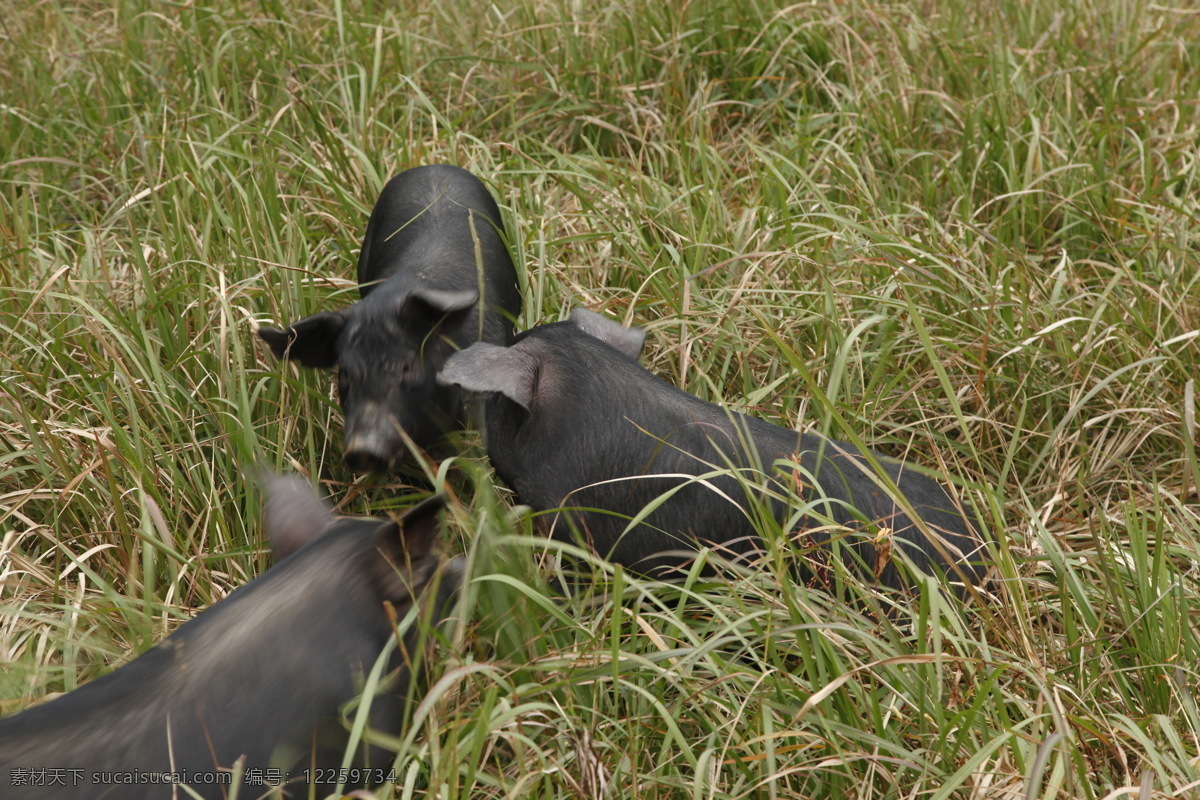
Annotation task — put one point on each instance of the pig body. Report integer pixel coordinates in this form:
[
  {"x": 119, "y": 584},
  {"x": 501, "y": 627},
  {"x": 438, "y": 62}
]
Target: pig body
[
  {"x": 434, "y": 275},
  {"x": 262, "y": 675},
  {"x": 578, "y": 424}
]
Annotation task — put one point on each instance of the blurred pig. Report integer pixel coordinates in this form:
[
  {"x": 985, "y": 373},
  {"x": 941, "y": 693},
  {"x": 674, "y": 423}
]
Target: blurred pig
[
  {"x": 261, "y": 675},
  {"x": 576, "y": 423},
  {"x": 435, "y": 275}
]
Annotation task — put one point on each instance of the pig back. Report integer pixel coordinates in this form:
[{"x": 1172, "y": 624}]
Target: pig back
[
  {"x": 262, "y": 675},
  {"x": 865, "y": 497},
  {"x": 438, "y": 226},
  {"x": 604, "y": 439}
]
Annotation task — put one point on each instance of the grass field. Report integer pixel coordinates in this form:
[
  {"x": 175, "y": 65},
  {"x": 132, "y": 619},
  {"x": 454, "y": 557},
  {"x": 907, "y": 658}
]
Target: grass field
[{"x": 964, "y": 233}]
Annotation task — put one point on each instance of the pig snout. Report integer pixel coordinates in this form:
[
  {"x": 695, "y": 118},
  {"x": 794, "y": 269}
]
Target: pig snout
[
  {"x": 367, "y": 452},
  {"x": 373, "y": 437},
  {"x": 381, "y": 434}
]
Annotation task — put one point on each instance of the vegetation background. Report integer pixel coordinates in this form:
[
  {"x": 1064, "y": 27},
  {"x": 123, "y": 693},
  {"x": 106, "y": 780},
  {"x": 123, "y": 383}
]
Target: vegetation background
[{"x": 962, "y": 231}]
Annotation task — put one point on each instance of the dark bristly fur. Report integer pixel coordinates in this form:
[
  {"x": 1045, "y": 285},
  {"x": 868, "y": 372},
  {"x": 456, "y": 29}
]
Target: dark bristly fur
[
  {"x": 578, "y": 424},
  {"x": 262, "y": 674},
  {"x": 435, "y": 275}
]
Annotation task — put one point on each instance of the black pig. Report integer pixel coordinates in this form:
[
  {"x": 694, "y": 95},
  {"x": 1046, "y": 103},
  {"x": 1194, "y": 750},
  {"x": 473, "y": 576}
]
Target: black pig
[
  {"x": 576, "y": 422},
  {"x": 261, "y": 675},
  {"x": 435, "y": 275}
]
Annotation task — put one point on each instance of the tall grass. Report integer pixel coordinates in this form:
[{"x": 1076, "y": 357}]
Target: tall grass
[{"x": 962, "y": 232}]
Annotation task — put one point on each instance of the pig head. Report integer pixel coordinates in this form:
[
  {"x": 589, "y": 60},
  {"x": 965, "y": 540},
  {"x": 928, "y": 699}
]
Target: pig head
[
  {"x": 262, "y": 675},
  {"x": 575, "y": 423},
  {"x": 435, "y": 276}
]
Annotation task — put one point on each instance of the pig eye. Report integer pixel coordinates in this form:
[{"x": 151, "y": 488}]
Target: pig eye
[{"x": 343, "y": 385}]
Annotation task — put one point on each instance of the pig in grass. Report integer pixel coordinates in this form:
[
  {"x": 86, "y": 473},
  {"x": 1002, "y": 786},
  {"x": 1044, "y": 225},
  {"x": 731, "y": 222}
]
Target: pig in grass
[
  {"x": 435, "y": 275},
  {"x": 576, "y": 423},
  {"x": 262, "y": 675}
]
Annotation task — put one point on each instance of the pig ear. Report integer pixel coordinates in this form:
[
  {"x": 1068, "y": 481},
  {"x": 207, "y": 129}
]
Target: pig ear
[
  {"x": 485, "y": 367},
  {"x": 628, "y": 340},
  {"x": 311, "y": 341},
  {"x": 437, "y": 303},
  {"x": 407, "y": 546},
  {"x": 420, "y": 525},
  {"x": 294, "y": 515}
]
